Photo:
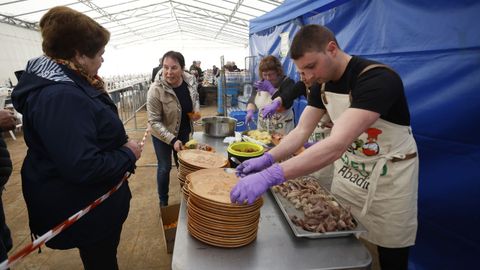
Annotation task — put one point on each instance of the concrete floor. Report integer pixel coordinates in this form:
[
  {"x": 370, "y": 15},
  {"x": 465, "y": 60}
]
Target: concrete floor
[{"x": 142, "y": 245}]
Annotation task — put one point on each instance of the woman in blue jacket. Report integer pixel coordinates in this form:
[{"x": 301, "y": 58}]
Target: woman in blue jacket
[{"x": 77, "y": 146}]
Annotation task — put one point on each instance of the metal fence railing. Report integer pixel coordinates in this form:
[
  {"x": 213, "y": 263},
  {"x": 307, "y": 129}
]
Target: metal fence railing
[{"x": 130, "y": 99}]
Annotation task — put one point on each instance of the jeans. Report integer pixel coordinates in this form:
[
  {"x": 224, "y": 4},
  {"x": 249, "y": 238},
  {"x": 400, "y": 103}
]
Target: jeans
[{"x": 163, "y": 152}]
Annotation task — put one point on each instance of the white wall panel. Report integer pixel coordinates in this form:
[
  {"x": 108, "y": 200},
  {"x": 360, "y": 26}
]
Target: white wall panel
[
  {"x": 17, "y": 45},
  {"x": 142, "y": 58}
]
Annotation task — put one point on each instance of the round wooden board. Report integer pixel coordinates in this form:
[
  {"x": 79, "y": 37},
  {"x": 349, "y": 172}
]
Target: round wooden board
[
  {"x": 202, "y": 159},
  {"x": 224, "y": 223},
  {"x": 225, "y": 210},
  {"x": 229, "y": 207},
  {"x": 219, "y": 242},
  {"x": 227, "y": 218},
  {"x": 220, "y": 230}
]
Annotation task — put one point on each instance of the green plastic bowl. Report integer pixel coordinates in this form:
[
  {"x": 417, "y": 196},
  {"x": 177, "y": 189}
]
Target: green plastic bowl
[{"x": 237, "y": 150}]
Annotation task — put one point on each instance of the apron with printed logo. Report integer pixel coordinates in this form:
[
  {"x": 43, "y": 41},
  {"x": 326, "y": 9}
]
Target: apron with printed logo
[
  {"x": 320, "y": 133},
  {"x": 378, "y": 177},
  {"x": 280, "y": 122},
  {"x": 321, "y": 130}
]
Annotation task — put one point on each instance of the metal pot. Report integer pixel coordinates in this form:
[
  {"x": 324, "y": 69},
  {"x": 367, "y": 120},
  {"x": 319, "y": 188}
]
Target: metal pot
[{"x": 218, "y": 126}]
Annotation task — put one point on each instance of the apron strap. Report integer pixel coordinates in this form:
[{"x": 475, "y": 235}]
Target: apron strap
[
  {"x": 372, "y": 188},
  {"x": 407, "y": 156},
  {"x": 322, "y": 93},
  {"x": 367, "y": 68},
  {"x": 370, "y": 67}
]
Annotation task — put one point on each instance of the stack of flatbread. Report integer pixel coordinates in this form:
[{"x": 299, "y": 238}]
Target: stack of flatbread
[
  {"x": 194, "y": 160},
  {"x": 212, "y": 219}
]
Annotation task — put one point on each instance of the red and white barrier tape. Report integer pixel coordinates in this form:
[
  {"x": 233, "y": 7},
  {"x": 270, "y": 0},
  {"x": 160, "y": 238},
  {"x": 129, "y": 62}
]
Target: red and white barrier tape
[{"x": 65, "y": 224}]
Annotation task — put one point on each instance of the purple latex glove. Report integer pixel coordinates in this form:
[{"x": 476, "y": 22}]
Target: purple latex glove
[
  {"x": 254, "y": 165},
  {"x": 265, "y": 85},
  {"x": 251, "y": 187},
  {"x": 269, "y": 110},
  {"x": 308, "y": 144},
  {"x": 249, "y": 116}
]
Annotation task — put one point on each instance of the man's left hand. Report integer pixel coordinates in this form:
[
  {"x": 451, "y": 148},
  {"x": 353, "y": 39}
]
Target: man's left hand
[{"x": 250, "y": 187}]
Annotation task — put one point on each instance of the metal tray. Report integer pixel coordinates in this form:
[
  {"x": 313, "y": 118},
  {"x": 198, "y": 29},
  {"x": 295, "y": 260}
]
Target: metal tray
[{"x": 288, "y": 209}]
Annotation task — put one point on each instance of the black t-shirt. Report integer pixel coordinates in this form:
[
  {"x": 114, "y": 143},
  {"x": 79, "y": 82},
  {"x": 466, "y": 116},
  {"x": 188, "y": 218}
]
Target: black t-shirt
[
  {"x": 379, "y": 90},
  {"x": 183, "y": 96}
]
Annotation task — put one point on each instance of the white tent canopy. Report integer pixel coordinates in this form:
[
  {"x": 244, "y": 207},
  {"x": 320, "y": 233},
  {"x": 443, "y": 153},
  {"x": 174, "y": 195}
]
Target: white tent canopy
[{"x": 141, "y": 30}]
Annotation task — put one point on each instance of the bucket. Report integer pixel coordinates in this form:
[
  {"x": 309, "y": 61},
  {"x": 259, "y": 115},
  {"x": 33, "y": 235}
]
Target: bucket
[
  {"x": 243, "y": 151},
  {"x": 240, "y": 116}
]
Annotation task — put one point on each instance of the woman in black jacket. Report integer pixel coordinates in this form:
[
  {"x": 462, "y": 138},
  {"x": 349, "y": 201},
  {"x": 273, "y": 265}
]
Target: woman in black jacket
[
  {"x": 7, "y": 122},
  {"x": 77, "y": 146}
]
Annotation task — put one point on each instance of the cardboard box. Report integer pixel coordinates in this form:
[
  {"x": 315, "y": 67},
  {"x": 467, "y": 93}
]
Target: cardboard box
[{"x": 169, "y": 224}]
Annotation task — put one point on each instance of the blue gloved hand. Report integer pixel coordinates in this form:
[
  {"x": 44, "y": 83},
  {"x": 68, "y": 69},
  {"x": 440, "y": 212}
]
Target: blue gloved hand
[
  {"x": 249, "y": 116},
  {"x": 251, "y": 187},
  {"x": 265, "y": 85},
  {"x": 270, "y": 109},
  {"x": 254, "y": 165}
]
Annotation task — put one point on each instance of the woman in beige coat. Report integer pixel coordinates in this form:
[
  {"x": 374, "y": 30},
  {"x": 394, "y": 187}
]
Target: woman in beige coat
[{"x": 172, "y": 105}]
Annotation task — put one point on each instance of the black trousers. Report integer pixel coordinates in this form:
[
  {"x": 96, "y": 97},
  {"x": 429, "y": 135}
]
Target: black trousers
[
  {"x": 202, "y": 95},
  {"x": 393, "y": 258},
  {"x": 101, "y": 255},
  {"x": 5, "y": 237}
]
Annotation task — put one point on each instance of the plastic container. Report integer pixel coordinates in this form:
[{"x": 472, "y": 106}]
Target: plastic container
[
  {"x": 240, "y": 116},
  {"x": 299, "y": 105},
  {"x": 247, "y": 90},
  {"x": 243, "y": 151},
  {"x": 232, "y": 89},
  {"x": 3, "y": 96},
  {"x": 242, "y": 103}
]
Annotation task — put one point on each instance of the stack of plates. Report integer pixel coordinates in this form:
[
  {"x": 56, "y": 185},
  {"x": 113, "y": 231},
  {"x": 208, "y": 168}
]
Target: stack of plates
[
  {"x": 194, "y": 160},
  {"x": 212, "y": 219}
]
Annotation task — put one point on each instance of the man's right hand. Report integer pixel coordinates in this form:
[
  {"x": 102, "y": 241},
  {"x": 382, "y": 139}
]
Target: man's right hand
[
  {"x": 254, "y": 165},
  {"x": 251, "y": 187},
  {"x": 8, "y": 121},
  {"x": 135, "y": 147}
]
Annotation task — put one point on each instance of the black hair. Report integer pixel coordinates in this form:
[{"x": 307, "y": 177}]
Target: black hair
[{"x": 177, "y": 56}]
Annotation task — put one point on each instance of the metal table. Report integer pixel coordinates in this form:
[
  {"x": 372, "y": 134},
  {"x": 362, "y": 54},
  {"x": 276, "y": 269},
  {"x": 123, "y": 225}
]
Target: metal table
[{"x": 275, "y": 247}]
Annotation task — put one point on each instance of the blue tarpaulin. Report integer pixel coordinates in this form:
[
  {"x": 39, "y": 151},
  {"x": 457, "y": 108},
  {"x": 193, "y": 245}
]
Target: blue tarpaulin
[{"x": 435, "y": 47}]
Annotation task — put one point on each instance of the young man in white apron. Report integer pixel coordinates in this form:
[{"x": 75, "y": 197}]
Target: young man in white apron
[
  {"x": 273, "y": 96},
  {"x": 371, "y": 144}
]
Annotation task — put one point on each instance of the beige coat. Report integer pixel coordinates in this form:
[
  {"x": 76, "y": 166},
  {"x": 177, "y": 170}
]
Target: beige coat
[{"x": 163, "y": 108}]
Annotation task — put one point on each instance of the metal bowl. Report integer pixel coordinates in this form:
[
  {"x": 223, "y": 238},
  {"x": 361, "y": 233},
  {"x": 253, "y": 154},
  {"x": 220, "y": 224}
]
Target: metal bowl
[{"x": 219, "y": 126}]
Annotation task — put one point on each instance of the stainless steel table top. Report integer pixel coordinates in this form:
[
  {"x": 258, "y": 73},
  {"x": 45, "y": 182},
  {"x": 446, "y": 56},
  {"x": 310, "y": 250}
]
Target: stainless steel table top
[
  {"x": 216, "y": 143},
  {"x": 275, "y": 247}
]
